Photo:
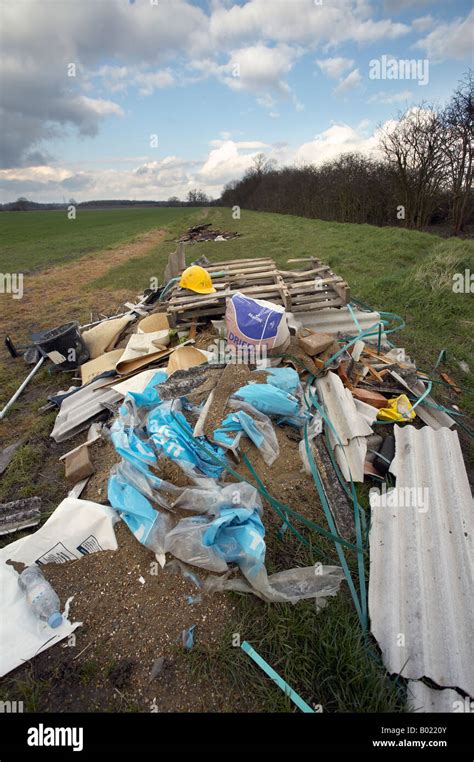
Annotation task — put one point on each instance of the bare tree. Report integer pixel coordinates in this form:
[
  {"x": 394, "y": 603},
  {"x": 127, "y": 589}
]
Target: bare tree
[
  {"x": 458, "y": 123},
  {"x": 414, "y": 147}
]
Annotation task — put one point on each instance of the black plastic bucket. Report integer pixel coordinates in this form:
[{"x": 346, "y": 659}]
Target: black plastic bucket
[{"x": 63, "y": 345}]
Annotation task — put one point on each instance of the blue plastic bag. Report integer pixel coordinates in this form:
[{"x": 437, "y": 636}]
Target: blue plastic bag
[
  {"x": 268, "y": 399},
  {"x": 286, "y": 379},
  {"x": 138, "y": 513},
  {"x": 172, "y": 435}
]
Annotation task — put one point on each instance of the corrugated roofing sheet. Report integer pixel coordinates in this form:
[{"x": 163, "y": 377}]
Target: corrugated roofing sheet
[
  {"x": 352, "y": 428},
  {"x": 428, "y": 414},
  {"x": 421, "y": 562},
  {"x": 422, "y": 698},
  {"x": 336, "y": 321},
  {"x": 79, "y": 408}
]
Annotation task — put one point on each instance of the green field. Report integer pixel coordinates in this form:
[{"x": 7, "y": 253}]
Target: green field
[
  {"x": 323, "y": 655},
  {"x": 32, "y": 240}
]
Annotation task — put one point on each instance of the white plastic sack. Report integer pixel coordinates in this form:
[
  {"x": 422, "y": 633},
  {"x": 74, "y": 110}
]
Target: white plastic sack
[{"x": 255, "y": 323}]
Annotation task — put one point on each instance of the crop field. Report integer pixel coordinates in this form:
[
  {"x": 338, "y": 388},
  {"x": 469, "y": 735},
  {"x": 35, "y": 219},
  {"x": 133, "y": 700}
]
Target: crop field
[{"x": 72, "y": 268}]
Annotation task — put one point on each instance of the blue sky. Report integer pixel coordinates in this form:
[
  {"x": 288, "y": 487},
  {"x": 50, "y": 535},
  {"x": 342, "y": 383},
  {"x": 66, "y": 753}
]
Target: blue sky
[{"x": 216, "y": 82}]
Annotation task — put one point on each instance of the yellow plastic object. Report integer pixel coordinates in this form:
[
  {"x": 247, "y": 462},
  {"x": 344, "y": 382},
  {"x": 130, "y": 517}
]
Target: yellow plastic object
[
  {"x": 398, "y": 409},
  {"x": 197, "y": 279}
]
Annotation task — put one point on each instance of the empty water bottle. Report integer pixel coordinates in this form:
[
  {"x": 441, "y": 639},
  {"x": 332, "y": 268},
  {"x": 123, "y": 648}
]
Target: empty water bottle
[{"x": 41, "y": 596}]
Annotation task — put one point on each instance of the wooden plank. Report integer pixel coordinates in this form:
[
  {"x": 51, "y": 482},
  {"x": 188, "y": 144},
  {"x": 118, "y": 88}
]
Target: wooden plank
[{"x": 335, "y": 302}]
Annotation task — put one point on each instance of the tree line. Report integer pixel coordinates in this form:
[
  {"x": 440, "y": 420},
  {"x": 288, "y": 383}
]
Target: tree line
[{"x": 423, "y": 176}]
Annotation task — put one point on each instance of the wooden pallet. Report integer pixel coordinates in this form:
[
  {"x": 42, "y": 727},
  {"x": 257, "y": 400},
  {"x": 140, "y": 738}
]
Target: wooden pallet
[{"x": 314, "y": 287}]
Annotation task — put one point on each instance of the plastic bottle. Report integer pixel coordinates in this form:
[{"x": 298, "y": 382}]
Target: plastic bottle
[{"x": 41, "y": 596}]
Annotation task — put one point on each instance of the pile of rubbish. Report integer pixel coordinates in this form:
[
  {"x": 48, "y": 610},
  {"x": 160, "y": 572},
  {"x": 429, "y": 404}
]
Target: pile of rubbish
[
  {"x": 185, "y": 408},
  {"x": 204, "y": 232}
]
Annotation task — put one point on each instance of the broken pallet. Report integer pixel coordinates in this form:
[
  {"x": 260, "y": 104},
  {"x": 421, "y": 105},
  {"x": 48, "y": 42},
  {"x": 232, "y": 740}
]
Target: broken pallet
[{"x": 312, "y": 288}]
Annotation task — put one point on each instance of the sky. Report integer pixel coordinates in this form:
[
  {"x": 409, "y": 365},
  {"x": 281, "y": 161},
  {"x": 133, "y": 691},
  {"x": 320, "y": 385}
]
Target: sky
[{"x": 147, "y": 99}]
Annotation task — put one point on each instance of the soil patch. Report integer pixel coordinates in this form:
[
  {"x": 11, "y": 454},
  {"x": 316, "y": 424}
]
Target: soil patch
[{"x": 134, "y": 613}]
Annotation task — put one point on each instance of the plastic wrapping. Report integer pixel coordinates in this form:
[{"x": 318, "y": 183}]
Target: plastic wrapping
[
  {"x": 234, "y": 535},
  {"x": 286, "y": 379},
  {"x": 288, "y": 586},
  {"x": 315, "y": 427},
  {"x": 148, "y": 526},
  {"x": 259, "y": 431},
  {"x": 172, "y": 435},
  {"x": 268, "y": 399},
  {"x": 210, "y": 500}
]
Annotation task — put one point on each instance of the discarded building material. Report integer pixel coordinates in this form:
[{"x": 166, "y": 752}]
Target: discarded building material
[
  {"x": 422, "y": 698},
  {"x": 103, "y": 337},
  {"x": 338, "y": 322},
  {"x": 261, "y": 278},
  {"x": 22, "y": 386},
  {"x": 19, "y": 514},
  {"x": 6, "y": 455},
  {"x": 341, "y": 508},
  {"x": 312, "y": 342},
  {"x": 99, "y": 365},
  {"x": 205, "y": 233},
  {"x": 84, "y": 405},
  {"x": 446, "y": 377},
  {"x": 349, "y": 430},
  {"x": 426, "y": 410},
  {"x": 421, "y": 561},
  {"x": 78, "y": 465},
  {"x": 370, "y": 397}
]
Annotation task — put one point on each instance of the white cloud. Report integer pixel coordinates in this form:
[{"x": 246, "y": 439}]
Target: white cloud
[
  {"x": 388, "y": 98},
  {"x": 423, "y": 23},
  {"x": 337, "y": 140},
  {"x": 257, "y": 69},
  {"x": 335, "y": 67},
  {"x": 123, "y": 78},
  {"x": 451, "y": 40},
  {"x": 227, "y": 162},
  {"x": 349, "y": 83},
  {"x": 300, "y": 22},
  {"x": 174, "y": 176}
]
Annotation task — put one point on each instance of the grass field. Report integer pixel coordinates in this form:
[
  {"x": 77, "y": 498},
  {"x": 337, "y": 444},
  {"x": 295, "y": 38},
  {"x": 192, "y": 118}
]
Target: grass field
[
  {"x": 38, "y": 239},
  {"x": 324, "y": 656}
]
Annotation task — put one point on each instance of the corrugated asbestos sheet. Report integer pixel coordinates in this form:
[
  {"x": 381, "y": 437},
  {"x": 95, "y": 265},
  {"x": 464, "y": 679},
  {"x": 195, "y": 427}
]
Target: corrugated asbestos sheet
[
  {"x": 428, "y": 414},
  {"x": 352, "y": 428},
  {"x": 421, "y": 563},
  {"x": 336, "y": 321},
  {"x": 79, "y": 408},
  {"x": 422, "y": 698}
]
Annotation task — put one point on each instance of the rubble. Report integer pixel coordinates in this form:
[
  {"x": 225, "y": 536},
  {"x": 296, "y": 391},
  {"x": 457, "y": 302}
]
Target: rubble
[
  {"x": 204, "y": 232},
  {"x": 216, "y": 434}
]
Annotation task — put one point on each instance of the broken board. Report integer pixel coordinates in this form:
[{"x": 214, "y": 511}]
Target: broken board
[{"x": 314, "y": 287}]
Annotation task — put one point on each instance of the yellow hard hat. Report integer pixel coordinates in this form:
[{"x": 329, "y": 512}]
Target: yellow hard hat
[{"x": 197, "y": 279}]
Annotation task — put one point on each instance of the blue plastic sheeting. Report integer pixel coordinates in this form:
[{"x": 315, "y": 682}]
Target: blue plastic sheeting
[
  {"x": 237, "y": 535},
  {"x": 130, "y": 446},
  {"x": 149, "y": 396},
  {"x": 134, "y": 508},
  {"x": 239, "y": 422},
  {"x": 286, "y": 379},
  {"x": 174, "y": 438},
  {"x": 268, "y": 399}
]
